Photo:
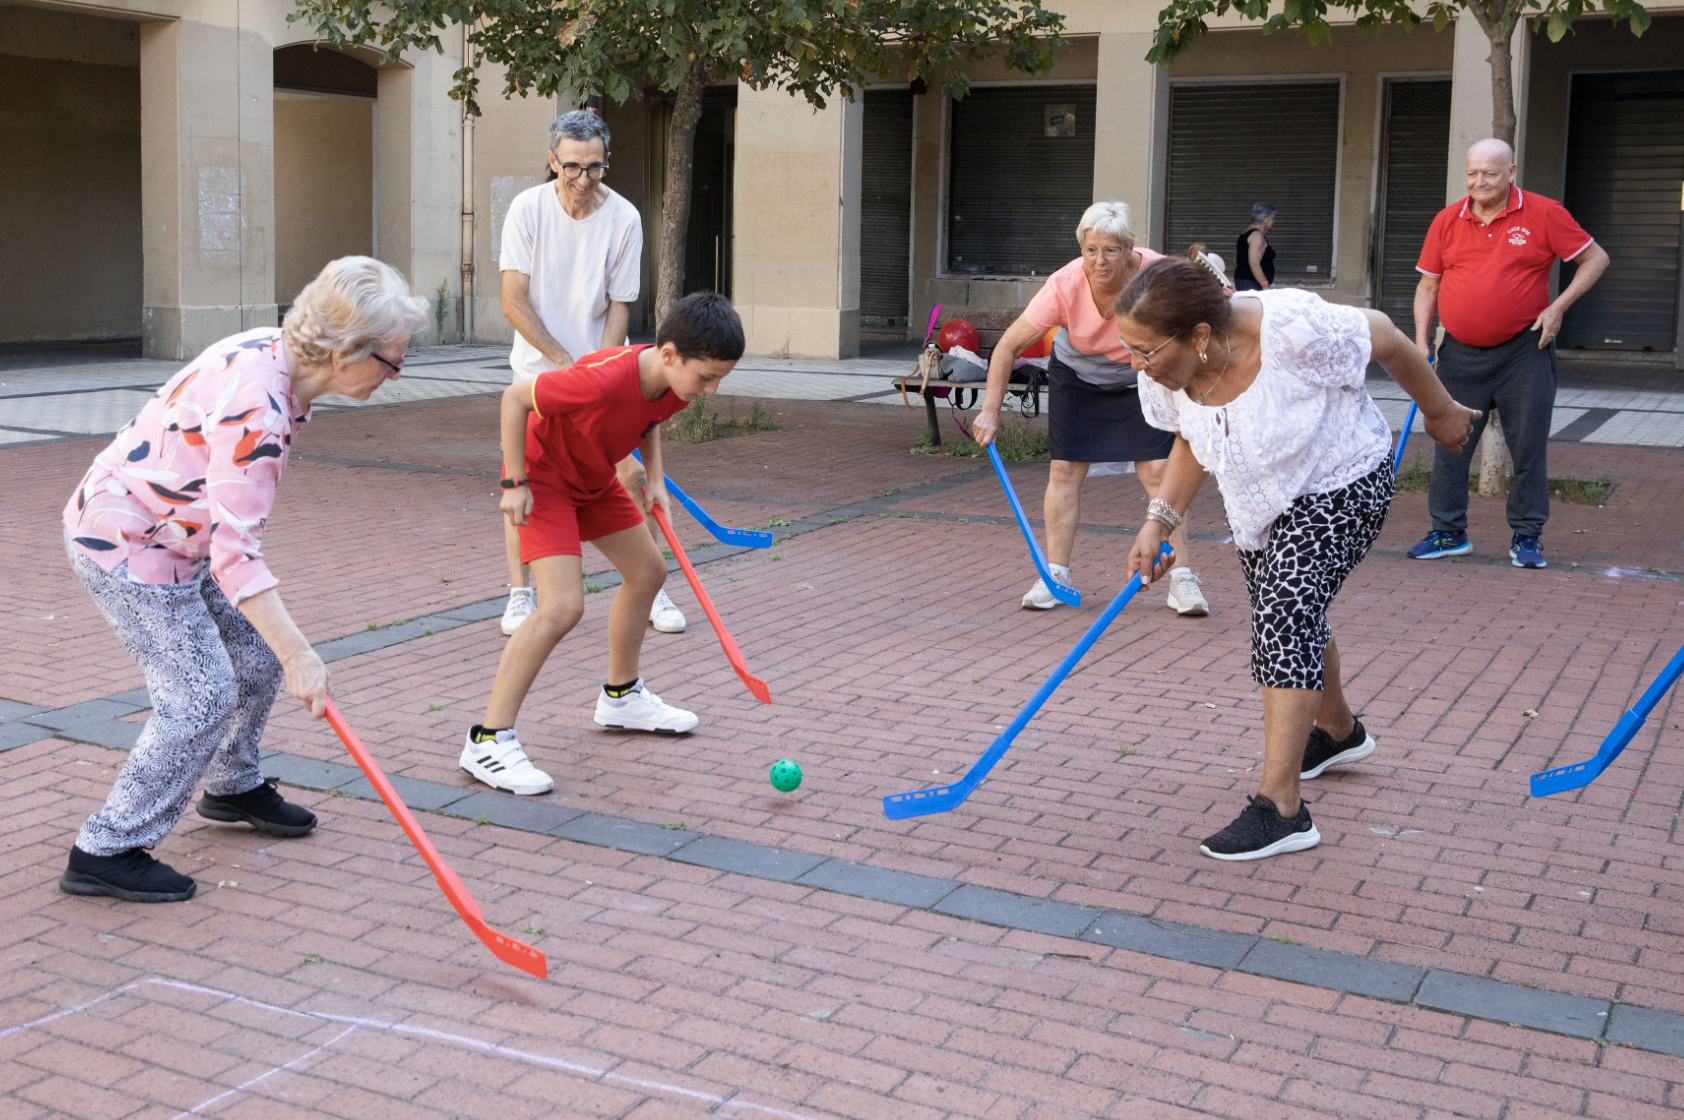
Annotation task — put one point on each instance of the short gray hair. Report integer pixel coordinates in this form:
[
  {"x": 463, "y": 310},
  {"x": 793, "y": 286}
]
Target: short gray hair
[
  {"x": 1262, "y": 210},
  {"x": 580, "y": 124},
  {"x": 1108, "y": 217},
  {"x": 352, "y": 306}
]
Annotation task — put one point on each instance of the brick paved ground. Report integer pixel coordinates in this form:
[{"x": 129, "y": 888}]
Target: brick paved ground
[{"x": 894, "y": 649}]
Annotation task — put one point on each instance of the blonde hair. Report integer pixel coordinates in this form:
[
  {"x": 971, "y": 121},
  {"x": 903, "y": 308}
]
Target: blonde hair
[
  {"x": 1108, "y": 217},
  {"x": 353, "y": 305}
]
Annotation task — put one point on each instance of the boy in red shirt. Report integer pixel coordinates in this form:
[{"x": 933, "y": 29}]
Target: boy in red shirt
[{"x": 563, "y": 433}]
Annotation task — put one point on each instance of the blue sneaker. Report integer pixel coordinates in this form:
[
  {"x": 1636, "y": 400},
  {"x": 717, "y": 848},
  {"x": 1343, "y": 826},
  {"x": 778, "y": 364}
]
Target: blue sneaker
[
  {"x": 1439, "y": 543},
  {"x": 1527, "y": 552}
]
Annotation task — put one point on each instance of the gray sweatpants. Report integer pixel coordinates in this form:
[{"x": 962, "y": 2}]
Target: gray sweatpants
[
  {"x": 1518, "y": 380},
  {"x": 213, "y": 680}
]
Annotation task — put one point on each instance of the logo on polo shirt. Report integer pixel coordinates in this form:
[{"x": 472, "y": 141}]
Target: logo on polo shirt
[{"x": 1518, "y": 235}]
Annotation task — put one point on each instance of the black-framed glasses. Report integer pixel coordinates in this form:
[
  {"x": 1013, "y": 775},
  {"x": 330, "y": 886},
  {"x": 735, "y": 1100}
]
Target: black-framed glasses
[
  {"x": 396, "y": 369},
  {"x": 595, "y": 170}
]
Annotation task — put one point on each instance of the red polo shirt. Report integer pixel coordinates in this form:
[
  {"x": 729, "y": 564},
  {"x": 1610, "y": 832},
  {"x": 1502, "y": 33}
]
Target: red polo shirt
[{"x": 1496, "y": 274}]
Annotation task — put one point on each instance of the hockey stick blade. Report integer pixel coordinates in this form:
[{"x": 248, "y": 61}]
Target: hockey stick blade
[
  {"x": 1063, "y": 592},
  {"x": 505, "y": 949},
  {"x": 1581, "y": 774},
  {"x": 1403, "y": 439},
  {"x": 748, "y": 538},
  {"x": 755, "y": 685},
  {"x": 924, "y": 802}
]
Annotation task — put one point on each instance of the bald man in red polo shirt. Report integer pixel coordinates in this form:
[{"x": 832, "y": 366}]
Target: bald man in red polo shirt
[{"x": 1485, "y": 270}]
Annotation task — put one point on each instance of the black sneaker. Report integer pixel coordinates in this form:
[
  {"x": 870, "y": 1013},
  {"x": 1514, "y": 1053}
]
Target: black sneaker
[
  {"x": 132, "y": 876},
  {"x": 1322, "y": 752},
  {"x": 262, "y": 808},
  {"x": 1261, "y": 831}
]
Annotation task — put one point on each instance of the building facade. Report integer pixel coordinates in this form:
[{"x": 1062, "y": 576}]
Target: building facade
[{"x": 178, "y": 170}]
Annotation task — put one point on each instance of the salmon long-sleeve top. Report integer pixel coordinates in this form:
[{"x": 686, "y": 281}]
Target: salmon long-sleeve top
[{"x": 191, "y": 480}]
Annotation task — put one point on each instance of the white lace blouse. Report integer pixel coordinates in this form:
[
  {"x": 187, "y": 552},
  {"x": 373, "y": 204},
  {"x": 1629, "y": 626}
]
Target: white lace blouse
[{"x": 1305, "y": 426}]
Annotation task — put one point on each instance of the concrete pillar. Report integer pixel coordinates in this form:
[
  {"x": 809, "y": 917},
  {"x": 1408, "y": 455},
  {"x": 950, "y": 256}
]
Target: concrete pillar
[
  {"x": 418, "y": 184},
  {"x": 207, "y": 185},
  {"x": 1470, "y": 99},
  {"x": 796, "y": 272},
  {"x": 1131, "y": 140},
  {"x": 511, "y": 142}
]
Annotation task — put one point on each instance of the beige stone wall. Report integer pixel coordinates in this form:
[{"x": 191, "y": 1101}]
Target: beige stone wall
[
  {"x": 511, "y": 138},
  {"x": 324, "y": 185},
  {"x": 70, "y": 180}
]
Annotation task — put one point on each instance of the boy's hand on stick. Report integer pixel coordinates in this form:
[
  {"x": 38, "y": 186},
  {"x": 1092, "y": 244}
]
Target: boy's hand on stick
[
  {"x": 655, "y": 494},
  {"x": 1143, "y": 557},
  {"x": 308, "y": 680},
  {"x": 516, "y": 504}
]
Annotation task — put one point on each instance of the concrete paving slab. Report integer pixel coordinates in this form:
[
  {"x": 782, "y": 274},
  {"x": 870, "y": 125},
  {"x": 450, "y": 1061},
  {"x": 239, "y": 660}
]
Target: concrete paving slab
[
  {"x": 1510, "y": 1003},
  {"x": 723, "y": 854},
  {"x": 1061, "y": 919},
  {"x": 1325, "y": 968},
  {"x": 899, "y": 887},
  {"x": 529, "y": 814},
  {"x": 1214, "y": 948}
]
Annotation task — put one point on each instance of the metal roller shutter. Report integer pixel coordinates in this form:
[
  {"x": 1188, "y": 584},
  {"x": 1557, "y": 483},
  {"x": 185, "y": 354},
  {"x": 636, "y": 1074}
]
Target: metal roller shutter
[
  {"x": 1015, "y": 194},
  {"x": 1416, "y": 160},
  {"x": 886, "y": 208},
  {"x": 1233, "y": 145},
  {"x": 1625, "y": 164}
]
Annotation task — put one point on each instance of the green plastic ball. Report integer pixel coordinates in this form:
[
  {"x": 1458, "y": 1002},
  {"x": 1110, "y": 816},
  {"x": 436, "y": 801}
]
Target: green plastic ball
[{"x": 786, "y": 775}]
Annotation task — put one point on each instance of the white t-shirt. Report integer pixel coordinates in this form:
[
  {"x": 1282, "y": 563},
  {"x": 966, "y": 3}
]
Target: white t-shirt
[
  {"x": 576, "y": 267},
  {"x": 1306, "y": 425}
]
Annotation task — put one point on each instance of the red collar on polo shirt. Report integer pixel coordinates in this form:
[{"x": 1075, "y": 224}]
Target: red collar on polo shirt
[{"x": 1515, "y": 201}]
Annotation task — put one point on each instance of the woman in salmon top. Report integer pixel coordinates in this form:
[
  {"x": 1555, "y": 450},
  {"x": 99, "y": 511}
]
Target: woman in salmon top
[
  {"x": 166, "y": 533},
  {"x": 1093, "y": 411}
]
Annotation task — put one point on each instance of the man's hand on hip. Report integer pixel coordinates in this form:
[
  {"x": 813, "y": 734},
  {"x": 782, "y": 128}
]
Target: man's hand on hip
[{"x": 1549, "y": 323}]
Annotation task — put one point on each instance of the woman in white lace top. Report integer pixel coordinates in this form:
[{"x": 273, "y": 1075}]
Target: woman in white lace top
[{"x": 1266, "y": 393}]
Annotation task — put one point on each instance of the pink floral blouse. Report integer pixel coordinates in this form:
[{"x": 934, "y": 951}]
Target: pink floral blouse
[{"x": 192, "y": 478}]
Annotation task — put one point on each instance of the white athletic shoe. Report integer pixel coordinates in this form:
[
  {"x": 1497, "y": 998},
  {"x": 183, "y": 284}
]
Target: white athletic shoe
[
  {"x": 1038, "y": 598},
  {"x": 666, "y": 618},
  {"x": 1184, "y": 594},
  {"x": 501, "y": 764},
  {"x": 521, "y": 602},
  {"x": 642, "y": 710}
]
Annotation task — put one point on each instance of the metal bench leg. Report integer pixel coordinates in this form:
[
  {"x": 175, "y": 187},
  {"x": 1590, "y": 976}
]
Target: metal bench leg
[{"x": 935, "y": 425}]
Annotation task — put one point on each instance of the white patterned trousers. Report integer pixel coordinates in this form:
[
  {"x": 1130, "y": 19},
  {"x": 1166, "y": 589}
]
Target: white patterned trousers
[{"x": 213, "y": 680}]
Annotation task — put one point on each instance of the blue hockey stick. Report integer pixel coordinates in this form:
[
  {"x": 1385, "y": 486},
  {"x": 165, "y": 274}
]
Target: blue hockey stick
[
  {"x": 1063, "y": 592},
  {"x": 1582, "y": 774},
  {"x": 1403, "y": 438},
  {"x": 1408, "y": 423},
  {"x": 749, "y": 538},
  {"x": 923, "y": 802}
]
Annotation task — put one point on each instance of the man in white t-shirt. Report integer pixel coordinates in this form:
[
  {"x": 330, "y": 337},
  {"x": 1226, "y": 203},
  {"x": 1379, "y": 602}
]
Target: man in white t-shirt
[{"x": 571, "y": 256}]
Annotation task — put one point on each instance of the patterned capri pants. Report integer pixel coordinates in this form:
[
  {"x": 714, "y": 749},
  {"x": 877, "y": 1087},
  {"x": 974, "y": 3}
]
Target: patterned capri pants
[
  {"x": 1292, "y": 580},
  {"x": 213, "y": 680}
]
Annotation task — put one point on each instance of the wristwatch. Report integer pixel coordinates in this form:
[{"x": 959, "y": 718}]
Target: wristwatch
[{"x": 511, "y": 483}]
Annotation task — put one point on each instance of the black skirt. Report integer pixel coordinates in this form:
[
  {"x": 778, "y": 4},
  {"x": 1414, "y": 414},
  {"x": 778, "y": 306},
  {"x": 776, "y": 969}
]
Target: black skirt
[{"x": 1089, "y": 423}]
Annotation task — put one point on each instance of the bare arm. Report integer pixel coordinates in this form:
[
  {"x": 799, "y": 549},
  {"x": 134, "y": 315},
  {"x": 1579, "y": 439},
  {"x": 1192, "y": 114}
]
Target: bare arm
[
  {"x": 619, "y": 322},
  {"x": 1255, "y": 244},
  {"x": 1018, "y": 338},
  {"x": 1593, "y": 262},
  {"x": 1182, "y": 477},
  {"x": 518, "y": 310},
  {"x": 306, "y": 677},
  {"x": 648, "y": 487},
  {"x": 1426, "y": 306},
  {"x": 1446, "y": 421},
  {"x": 516, "y": 504}
]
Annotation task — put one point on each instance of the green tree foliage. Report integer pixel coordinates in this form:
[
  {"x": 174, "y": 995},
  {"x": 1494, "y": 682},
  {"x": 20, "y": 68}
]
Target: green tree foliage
[
  {"x": 1183, "y": 21},
  {"x": 816, "y": 49}
]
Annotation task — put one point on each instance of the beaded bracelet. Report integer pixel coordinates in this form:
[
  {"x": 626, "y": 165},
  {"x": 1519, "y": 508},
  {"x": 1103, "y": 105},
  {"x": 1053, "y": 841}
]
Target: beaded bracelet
[{"x": 1153, "y": 515}]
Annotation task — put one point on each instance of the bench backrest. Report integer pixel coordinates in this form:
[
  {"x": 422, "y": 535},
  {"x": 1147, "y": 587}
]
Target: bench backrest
[{"x": 990, "y": 322}]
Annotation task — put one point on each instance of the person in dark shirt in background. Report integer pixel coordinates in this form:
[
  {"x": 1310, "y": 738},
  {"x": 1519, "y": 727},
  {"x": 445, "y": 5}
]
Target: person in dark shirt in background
[{"x": 1254, "y": 257}]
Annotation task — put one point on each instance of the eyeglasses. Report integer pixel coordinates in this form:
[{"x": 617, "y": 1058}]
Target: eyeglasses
[
  {"x": 595, "y": 170},
  {"x": 1145, "y": 356},
  {"x": 396, "y": 369}
]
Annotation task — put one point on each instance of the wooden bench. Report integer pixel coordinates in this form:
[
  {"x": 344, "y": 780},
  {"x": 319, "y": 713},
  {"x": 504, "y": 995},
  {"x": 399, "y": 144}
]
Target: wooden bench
[{"x": 990, "y": 324}]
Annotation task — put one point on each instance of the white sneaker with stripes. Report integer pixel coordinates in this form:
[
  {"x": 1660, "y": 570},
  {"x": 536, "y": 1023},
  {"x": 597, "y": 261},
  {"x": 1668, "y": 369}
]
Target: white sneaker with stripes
[{"x": 501, "y": 764}]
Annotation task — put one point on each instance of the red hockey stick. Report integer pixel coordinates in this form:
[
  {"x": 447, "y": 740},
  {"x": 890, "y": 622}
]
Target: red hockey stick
[
  {"x": 505, "y": 949},
  {"x": 732, "y": 653}
]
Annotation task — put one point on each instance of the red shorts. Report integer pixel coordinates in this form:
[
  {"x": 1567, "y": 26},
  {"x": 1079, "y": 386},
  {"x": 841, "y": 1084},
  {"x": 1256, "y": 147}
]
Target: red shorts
[{"x": 559, "y": 523}]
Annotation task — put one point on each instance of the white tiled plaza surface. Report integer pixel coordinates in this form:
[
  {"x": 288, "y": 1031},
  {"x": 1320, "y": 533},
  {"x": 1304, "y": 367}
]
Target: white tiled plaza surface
[{"x": 95, "y": 398}]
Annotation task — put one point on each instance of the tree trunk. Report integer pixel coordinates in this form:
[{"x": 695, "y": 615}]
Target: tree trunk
[
  {"x": 1493, "y": 455},
  {"x": 675, "y": 208},
  {"x": 1503, "y": 118}
]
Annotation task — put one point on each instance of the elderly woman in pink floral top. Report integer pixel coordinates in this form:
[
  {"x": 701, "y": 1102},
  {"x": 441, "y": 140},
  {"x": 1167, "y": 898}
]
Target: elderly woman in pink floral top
[{"x": 166, "y": 533}]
